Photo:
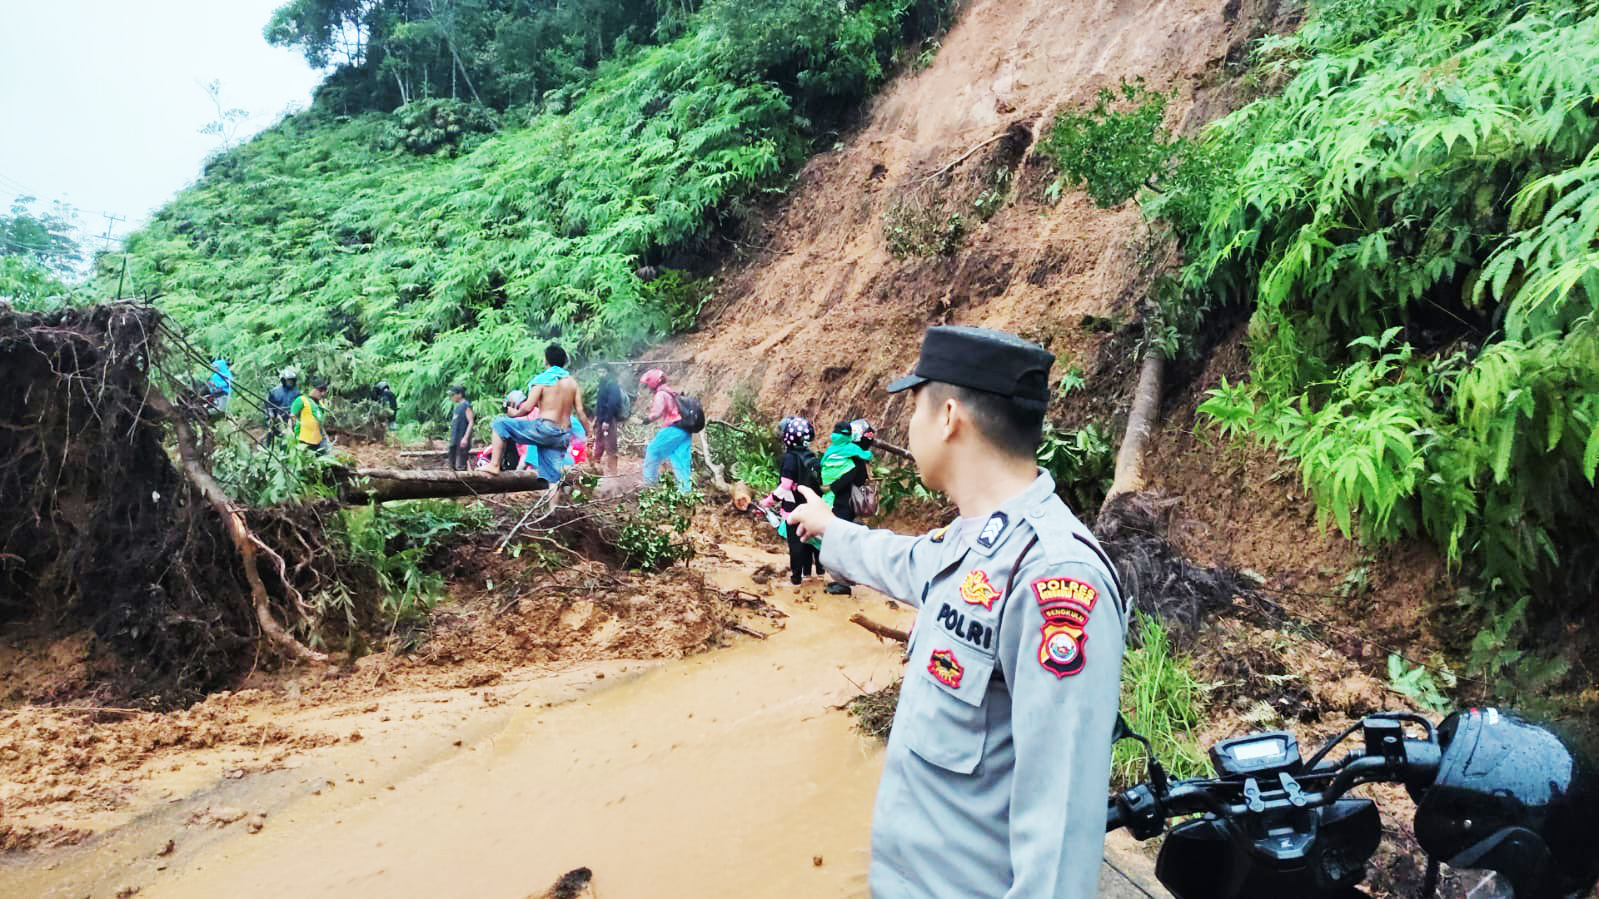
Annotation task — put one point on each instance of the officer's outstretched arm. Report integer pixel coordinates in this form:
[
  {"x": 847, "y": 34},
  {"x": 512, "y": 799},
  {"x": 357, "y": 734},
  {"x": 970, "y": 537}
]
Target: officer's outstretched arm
[
  {"x": 1060, "y": 648},
  {"x": 883, "y": 560}
]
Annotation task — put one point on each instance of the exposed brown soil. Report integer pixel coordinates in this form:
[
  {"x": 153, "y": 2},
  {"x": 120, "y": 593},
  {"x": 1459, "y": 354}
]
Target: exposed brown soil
[
  {"x": 67, "y": 772},
  {"x": 823, "y": 314}
]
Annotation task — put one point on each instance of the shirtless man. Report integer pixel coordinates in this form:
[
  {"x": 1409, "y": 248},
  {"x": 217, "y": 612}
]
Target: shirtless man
[{"x": 557, "y": 397}]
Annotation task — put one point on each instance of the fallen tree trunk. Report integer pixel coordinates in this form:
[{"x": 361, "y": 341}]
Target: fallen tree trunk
[
  {"x": 881, "y": 630},
  {"x": 891, "y": 448},
  {"x": 1141, "y": 421},
  {"x": 379, "y": 485},
  {"x": 718, "y": 477},
  {"x": 233, "y": 520}
]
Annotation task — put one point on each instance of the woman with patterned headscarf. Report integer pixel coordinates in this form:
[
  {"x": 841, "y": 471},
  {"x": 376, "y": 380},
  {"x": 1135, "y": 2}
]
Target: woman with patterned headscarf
[
  {"x": 672, "y": 444},
  {"x": 798, "y": 468}
]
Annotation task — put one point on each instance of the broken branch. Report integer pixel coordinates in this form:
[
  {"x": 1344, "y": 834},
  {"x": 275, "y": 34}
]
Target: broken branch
[{"x": 881, "y": 630}]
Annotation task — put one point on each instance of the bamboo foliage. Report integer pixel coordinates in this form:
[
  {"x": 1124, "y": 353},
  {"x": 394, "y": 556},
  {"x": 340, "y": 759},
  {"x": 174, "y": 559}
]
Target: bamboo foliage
[{"x": 1415, "y": 221}]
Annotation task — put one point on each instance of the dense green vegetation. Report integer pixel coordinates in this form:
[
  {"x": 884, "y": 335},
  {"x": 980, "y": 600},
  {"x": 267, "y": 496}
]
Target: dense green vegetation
[
  {"x": 1412, "y": 223},
  {"x": 446, "y": 240}
]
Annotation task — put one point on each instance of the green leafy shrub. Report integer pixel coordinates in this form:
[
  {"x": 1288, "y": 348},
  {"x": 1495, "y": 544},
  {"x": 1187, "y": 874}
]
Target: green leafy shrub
[
  {"x": 391, "y": 542},
  {"x": 1413, "y": 221},
  {"x": 422, "y": 127},
  {"x": 1082, "y": 463},
  {"x": 1115, "y": 149},
  {"x": 29, "y": 286},
  {"x": 750, "y": 448},
  {"x": 653, "y": 535}
]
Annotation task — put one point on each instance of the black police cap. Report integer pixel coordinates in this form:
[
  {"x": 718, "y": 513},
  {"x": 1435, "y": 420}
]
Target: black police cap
[{"x": 981, "y": 359}]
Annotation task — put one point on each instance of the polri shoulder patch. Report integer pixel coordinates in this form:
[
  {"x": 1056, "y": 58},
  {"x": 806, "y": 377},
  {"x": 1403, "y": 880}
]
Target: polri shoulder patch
[
  {"x": 993, "y": 529},
  {"x": 977, "y": 591},
  {"x": 945, "y": 668},
  {"x": 1065, "y": 603}
]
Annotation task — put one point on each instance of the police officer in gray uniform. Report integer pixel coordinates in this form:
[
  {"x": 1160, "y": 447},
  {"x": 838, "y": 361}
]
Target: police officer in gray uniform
[{"x": 998, "y": 765}]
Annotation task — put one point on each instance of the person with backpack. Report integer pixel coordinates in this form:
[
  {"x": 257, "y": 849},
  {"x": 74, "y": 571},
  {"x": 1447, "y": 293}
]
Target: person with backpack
[
  {"x": 844, "y": 473},
  {"x": 798, "y": 468},
  {"x": 680, "y": 417}
]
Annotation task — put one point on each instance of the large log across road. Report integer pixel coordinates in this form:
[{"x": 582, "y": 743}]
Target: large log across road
[{"x": 378, "y": 485}]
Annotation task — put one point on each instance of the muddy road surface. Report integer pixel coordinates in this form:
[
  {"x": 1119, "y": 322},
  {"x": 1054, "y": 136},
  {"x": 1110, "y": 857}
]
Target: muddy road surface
[{"x": 732, "y": 773}]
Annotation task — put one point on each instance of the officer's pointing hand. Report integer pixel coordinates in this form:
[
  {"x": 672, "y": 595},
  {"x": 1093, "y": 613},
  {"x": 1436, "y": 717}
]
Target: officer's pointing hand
[{"x": 811, "y": 517}]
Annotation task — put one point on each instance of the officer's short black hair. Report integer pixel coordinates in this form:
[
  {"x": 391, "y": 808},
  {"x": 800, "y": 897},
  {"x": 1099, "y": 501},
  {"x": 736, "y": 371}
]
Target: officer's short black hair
[
  {"x": 554, "y": 355},
  {"x": 1013, "y": 425}
]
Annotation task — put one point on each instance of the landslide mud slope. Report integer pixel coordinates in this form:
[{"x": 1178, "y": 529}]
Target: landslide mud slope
[{"x": 822, "y": 313}]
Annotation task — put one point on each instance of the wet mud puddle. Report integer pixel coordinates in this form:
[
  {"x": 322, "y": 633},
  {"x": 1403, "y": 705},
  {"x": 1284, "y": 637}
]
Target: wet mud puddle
[{"x": 726, "y": 774}]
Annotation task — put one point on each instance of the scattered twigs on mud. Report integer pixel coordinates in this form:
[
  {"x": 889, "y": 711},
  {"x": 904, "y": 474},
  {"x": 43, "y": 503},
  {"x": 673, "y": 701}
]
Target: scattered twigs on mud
[
  {"x": 735, "y": 626},
  {"x": 233, "y": 520},
  {"x": 968, "y": 154},
  {"x": 546, "y": 505},
  {"x": 881, "y": 630},
  {"x": 874, "y": 712}
]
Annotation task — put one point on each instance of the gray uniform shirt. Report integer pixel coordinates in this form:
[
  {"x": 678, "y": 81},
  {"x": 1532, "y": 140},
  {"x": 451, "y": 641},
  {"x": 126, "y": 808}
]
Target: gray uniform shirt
[{"x": 998, "y": 766}]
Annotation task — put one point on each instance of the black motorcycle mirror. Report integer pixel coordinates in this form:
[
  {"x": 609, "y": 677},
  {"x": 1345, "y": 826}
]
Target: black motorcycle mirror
[{"x": 1153, "y": 768}]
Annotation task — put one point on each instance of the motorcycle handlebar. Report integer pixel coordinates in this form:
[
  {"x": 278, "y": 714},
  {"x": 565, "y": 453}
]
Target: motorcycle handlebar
[{"x": 1140, "y": 807}]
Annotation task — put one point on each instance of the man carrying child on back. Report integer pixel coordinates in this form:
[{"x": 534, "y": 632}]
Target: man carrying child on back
[{"x": 557, "y": 397}]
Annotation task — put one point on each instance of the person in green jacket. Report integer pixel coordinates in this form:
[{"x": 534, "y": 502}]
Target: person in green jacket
[{"x": 844, "y": 467}]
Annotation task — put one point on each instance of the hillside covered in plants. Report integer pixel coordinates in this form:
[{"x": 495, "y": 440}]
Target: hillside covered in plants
[
  {"x": 1398, "y": 196},
  {"x": 476, "y": 178}
]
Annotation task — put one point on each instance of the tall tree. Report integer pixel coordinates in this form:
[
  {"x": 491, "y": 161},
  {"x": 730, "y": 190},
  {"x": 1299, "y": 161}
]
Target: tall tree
[{"x": 43, "y": 236}]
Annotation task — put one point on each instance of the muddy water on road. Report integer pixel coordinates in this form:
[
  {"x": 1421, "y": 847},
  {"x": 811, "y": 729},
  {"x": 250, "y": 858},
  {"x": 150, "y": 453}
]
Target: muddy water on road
[{"x": 727, "y": 774}]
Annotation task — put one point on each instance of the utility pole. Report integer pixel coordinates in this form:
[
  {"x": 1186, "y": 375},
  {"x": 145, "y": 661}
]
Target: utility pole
[{"x": 109, "y": 221}]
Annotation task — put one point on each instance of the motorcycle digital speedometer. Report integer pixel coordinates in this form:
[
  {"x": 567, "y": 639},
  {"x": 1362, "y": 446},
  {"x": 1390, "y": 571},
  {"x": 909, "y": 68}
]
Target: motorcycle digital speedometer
[{"x": 1256, "y": 754}]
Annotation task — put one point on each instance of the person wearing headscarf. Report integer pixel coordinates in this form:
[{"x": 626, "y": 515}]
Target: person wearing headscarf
[
  {"x": 672, "y": 444},
  {"x": 798, "y": 468}
]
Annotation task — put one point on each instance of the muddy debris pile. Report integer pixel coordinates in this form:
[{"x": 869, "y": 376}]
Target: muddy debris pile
[{"x": 98, "y": 527}]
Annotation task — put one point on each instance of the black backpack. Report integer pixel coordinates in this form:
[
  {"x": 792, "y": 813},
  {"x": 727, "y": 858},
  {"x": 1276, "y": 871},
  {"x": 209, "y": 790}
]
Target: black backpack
[
  {"x": 692, "y": 414},
  {"x": 811, "y": 468}
]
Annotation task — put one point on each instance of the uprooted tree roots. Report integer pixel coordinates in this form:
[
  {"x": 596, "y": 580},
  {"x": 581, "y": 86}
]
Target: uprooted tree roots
[{"x": 99, "y": 527}]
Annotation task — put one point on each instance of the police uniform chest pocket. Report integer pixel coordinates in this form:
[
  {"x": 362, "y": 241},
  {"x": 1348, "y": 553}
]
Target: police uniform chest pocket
[{"x": 942, "y": 719}]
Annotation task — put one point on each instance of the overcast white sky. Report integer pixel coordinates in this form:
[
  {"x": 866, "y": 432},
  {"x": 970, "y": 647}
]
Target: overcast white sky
[{"x": 101, "y": 100}]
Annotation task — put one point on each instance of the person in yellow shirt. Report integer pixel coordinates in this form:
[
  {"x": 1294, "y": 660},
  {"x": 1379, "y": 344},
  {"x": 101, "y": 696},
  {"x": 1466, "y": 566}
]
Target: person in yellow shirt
[{"x": 307, "y": 413}]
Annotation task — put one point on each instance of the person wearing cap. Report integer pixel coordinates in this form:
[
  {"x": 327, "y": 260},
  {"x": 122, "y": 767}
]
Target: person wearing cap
[
  {"x": 672, "y": 444},
  {"x": 998, "y": 766},
  {"x": 462, "y": 418},
  {"x": 279, "y": 399}
]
